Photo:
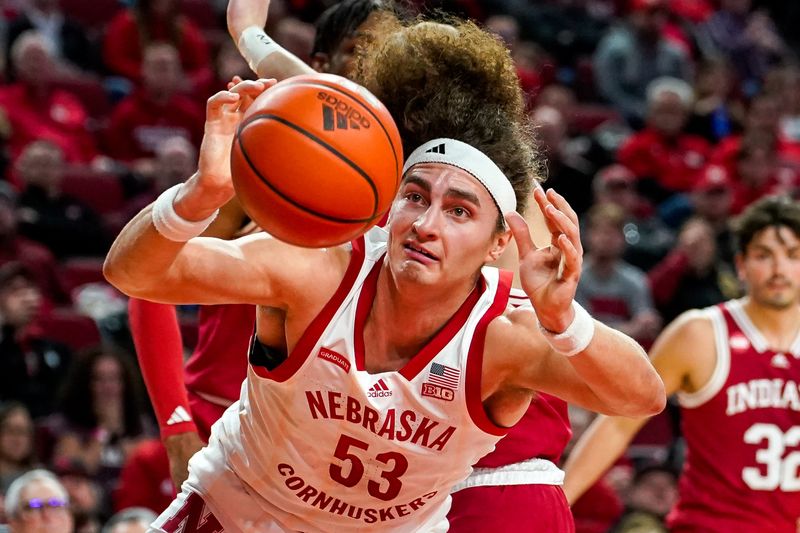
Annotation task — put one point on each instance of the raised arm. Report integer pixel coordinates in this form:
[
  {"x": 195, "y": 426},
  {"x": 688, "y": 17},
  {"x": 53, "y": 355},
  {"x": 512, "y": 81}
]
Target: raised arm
[
  {"x": 608, "y": 437},
  {"x": 561, "y": 349},
  {"x": 246, "y": 22},
  {"x": 144, "y": 263}
]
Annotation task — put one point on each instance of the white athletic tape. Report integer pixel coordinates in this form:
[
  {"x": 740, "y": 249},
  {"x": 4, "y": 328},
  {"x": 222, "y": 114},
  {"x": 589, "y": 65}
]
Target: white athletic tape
[
  {"x": 254, "y": 45},
  {"x": 576, "y": 337},
  {"x": 469, "y": 158},
  {"x": 173, "y": 226}
]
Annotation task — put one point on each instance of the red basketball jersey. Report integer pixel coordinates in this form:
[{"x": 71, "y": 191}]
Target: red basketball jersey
[
  {"x": 218, "y": 366},
  {"x": 543, "y": 431},
  {"x": 742, "y": 432}
]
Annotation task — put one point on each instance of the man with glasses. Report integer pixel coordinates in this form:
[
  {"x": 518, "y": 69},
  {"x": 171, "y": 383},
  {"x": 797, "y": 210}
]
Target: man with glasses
[{"x": 37, "y": 503}]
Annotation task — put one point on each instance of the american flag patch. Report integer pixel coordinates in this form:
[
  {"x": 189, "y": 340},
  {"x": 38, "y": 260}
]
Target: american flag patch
[{"x": 444, "y": 376}]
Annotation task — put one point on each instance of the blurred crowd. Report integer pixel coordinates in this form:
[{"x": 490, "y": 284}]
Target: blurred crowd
[{"x": 660, "y": 120}]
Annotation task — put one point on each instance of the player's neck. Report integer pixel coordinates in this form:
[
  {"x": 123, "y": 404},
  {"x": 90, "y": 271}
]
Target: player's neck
[
  {"x": 410, "y": 317},
  {"x": 779, "y": 326}
]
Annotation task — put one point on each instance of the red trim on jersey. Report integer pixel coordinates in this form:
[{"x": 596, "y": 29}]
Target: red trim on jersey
[
  {"x": 415, "y": 365},
  {"x": 157, "y": 338},
  {"x": 475, "y": 358},
  {"x": 311, "y": 335}
]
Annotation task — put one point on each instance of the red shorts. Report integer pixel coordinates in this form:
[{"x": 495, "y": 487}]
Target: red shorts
[
  {"x": 511, "y": 509},
  {"x": 204, "y": 414}
]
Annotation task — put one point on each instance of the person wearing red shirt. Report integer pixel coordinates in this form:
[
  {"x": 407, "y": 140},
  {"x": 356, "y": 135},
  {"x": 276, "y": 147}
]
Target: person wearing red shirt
[
  {"x": 662, "y": 155},
  {"x": 131, "y": 31},
  {"x": 761, "y": 127},
  {"x": 35, "y": 110},
  {"x": 156, "y": 111}
]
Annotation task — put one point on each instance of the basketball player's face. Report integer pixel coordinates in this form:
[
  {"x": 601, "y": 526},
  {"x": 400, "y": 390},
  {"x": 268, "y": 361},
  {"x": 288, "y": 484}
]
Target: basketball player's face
[
  {"x": 442, "y": 225},
  {"x": 771, "y": 268}
]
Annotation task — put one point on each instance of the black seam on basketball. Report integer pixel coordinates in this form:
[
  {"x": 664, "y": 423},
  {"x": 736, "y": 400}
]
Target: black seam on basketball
[
  {"x": 314, "y": 138},
  {"x": 369, "y": 110}
]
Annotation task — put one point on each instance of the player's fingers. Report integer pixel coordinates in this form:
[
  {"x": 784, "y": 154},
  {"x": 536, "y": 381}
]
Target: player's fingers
[
  {"x": 521, "y": 232},
  {"x": 561, "y": 203},
  {"x": 215, "y": 104},
  {"x": 543, "y": 202},
  {"x": 570, "y": 267},
  {"x": 564, "y": 225}
]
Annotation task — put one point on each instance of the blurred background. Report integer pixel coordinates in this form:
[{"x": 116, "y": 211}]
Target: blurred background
[{"x": 659, "y": 119}]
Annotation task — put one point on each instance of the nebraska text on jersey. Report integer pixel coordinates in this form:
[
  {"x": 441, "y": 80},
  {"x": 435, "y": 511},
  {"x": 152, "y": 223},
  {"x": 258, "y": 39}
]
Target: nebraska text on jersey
[
  {"x": 762, "y": 394},
  {"x": 401, "y": 426}
]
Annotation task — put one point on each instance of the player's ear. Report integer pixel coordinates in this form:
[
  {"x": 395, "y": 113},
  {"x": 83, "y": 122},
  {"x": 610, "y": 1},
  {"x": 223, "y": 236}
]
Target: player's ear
[
  {"x": 499, "y": 243},
  {"x": 320, "y": 62}
]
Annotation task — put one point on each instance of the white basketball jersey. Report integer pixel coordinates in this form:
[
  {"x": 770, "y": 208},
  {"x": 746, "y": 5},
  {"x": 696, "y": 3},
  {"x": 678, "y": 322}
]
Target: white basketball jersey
[{"x": 323, "y": 445}]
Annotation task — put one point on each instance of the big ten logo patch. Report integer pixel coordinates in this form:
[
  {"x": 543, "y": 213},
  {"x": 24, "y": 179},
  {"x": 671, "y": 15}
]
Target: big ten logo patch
[{"x": 440, "y": 393}]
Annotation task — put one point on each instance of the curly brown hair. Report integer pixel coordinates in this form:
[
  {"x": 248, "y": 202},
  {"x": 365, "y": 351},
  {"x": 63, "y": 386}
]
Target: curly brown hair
[{"x": 452, "y": 80}]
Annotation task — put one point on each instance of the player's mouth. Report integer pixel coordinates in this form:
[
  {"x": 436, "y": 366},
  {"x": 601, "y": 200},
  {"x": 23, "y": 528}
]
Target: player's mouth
[{"x": 419, "y": 253}]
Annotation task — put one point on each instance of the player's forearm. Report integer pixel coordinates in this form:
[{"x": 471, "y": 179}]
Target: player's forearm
[
  {"x": 596, "y": 451},
  {"x": 619, "y": 373},
  {"x": 266, "y": 58},
  {"x": 139, "y": 261}
]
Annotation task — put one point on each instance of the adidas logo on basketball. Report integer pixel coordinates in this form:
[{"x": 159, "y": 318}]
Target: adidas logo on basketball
[
  {"x": 338, "y": 115},
  {"x": 379, "y": 390}
]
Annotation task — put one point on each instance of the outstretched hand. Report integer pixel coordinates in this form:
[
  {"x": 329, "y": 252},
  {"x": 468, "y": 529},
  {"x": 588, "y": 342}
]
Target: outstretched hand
[
  {"x": 224, "y": 112},
  {"x": 550, "y": 275}
]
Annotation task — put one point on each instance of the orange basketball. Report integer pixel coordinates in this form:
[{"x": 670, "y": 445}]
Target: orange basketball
[{"x": 317, "y": 160}]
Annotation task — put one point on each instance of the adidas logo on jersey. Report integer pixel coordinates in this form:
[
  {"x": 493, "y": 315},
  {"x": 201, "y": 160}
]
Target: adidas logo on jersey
[
  {"x": 779, "y": 360},
  {"x": 179, "y": 415},
  {"x": 379, "y": 390}
]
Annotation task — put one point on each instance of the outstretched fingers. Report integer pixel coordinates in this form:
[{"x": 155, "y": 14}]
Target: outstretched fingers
[
  {"x": 570, "y": 266},
  {"x": 216, "y": 104},
  {"x": 521, "y": 232}
]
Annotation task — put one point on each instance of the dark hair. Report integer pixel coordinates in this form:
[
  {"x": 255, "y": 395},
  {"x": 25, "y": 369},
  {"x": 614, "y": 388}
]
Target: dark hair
[
  {"x": 6, "y": 410},
  {"x": 13, "y": 270},
  {"x": 76, "y": 395},
  {"x": 770, "y": 211},
  {"x": 452, "y": 80},
  {"x": 143, "y": 15},
  {"x": 340, "y": 21}
]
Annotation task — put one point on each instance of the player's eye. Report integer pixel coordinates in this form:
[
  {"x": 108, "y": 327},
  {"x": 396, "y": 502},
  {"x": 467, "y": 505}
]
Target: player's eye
[
  {"x": 414, "y": 197},
  {"x": 459, "y": 212}
]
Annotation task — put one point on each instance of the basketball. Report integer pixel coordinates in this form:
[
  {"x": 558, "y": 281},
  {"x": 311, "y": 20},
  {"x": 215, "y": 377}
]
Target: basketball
[{"x": 316, "y": 161}]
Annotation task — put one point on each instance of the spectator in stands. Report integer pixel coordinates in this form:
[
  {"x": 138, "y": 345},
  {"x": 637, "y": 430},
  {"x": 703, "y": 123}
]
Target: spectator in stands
[
  {"x": 613, "y": 291},
  {"x": 133, "y": 31},
  {"x": 100, "y": 416},
  {"x": 36, "y": 110},
  {"x": 229, "y": 63},
  {"x": 132, "y": 520},
  {"x": 758, "y": 173},
  {"x": 762, "y": 127},
  {"x": 36, "y": 258},
  {"x": 17, "y": 454},
  {"x": 747, "y": 39},
  {"x": 648, "y": 500},
  {"x": 569, "y": 174},
  {"x": 62, "y": 223},
  {"x": 716, "y": 113},
  {"x": 784, "y": 84},
  {"x": 665, "y": 159},
  {"x": 37, "y": 502},
  {"x": 156, "y": 111},
  {"x": 65, "y": 37},
  {"x": 88, "y": 503},
  {"x": 634, "y": 54},
  {"x": 692, "y": 275},
  {"x": 31, "y": 366},
  {"x": 145, "y": 479},
  {"x": 712, "y": 201},
  {"x": 647, "y": 238}
]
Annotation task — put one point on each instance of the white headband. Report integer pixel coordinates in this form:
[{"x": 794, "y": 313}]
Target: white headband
[{"x": 469, "y": 158}]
